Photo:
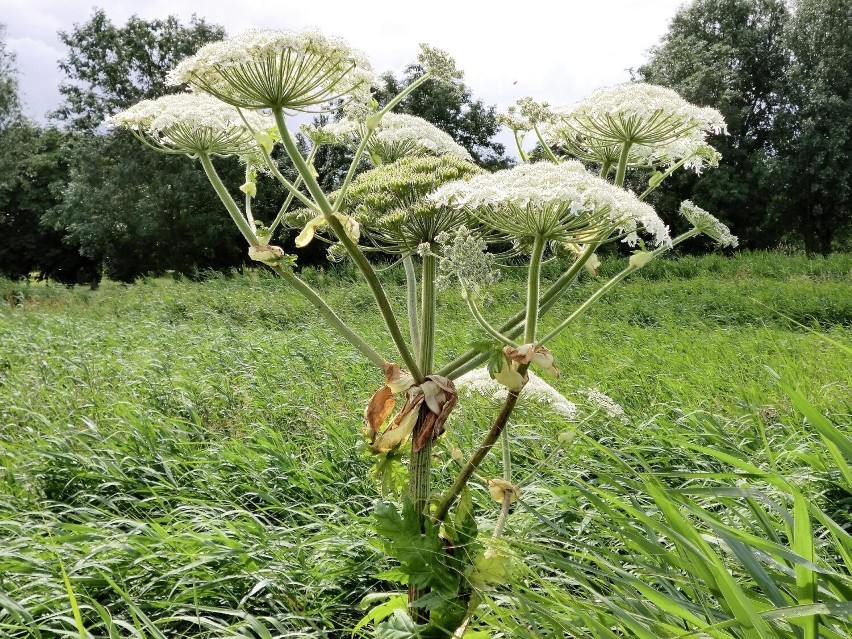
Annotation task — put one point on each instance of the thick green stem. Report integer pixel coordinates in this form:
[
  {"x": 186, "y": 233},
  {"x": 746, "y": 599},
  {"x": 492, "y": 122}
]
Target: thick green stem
[
  {"x": 472, "y": 358},
  {"x": 428, "y": 314},
  {"x": 420, "y": 469},
  {"x": 411, "y": 299},
  {"x": 351, "y": 247},
  {"x": 621, "y": 171},
  {"x": 605, "y": 167},
  {"x": 228, "y": 201},
  {"x": 603, "y": 290},
  {"x": 533, "y": 282},
  {"x": 330, "y": 316},
  {"x": 521, "y": 153}
]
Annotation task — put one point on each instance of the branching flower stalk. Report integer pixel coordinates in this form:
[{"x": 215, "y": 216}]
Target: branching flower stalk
[
  {"x": 351, "y": 247},
  {"x": 513, "y": 327}
]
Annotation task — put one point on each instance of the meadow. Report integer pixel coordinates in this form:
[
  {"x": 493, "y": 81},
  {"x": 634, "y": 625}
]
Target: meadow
[{"x": 185, "y": 459}]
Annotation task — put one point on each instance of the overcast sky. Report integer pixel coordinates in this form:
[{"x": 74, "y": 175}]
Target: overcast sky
[{"x": 554, "y": 51}]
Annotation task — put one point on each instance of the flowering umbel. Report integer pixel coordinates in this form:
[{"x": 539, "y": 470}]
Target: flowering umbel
[
  {"x": 192, "y": 124},
  {"x": 561, "y": 202},
  {"x": 291, "y": 70},
  {"x": 397, "y": 135},
  {"x": 655, "y": 123},
  {"x": 708, "y": 224}
]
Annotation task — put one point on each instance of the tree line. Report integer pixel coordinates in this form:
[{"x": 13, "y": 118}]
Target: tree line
[{"x": 78, "y": 202}]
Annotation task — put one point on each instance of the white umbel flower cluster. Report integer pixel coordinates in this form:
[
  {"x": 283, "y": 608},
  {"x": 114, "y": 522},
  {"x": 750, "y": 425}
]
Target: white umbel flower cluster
[
  {"x": 479, "y": 381},
  {"x": 638, "y": 110},
  {"x": 192, "y": 123},
  {"x": 525, "y": 115},
  {"x": 398, "y": 135},
  {"x": 559, "y": 201},
  {"x": 661, "y": 127},
  {"x": 708, "y": 224},
  {"x": 439, "y": 63},
  {"x": 293, "y": 70},
  {"x": 514, "y": 120}
]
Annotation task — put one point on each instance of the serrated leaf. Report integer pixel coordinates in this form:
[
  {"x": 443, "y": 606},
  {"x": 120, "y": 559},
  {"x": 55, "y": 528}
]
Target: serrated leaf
[
  {"x": 382, "y": 611},
  {"x": 421, "y": 555},
  {"x": 399, "y": 626}
]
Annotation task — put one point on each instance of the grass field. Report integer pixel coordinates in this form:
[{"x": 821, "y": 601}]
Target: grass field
[{"x": 184, "y": 459}]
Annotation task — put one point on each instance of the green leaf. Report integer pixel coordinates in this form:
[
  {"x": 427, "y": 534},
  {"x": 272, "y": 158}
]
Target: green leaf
[
  {"x": 399, "y": 626},
  {"x": 382, "y": 611},
  {"x": 421, "y": 555},
  {"x": 803, "y": 544}
]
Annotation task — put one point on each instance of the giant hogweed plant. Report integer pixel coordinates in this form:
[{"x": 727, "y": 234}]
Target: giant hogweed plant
[{"x": 425, "y": 202}]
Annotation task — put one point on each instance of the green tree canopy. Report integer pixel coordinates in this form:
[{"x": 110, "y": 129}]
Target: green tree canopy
[
  {"x": 814, "y": 160},
  {"x": 731, "y": 55},
  {"x": 128, "y": 206},
  {"x": 109, "y": 67},
  {"x": 10, "y": 104},
  {"x": 31, "y": 167}
]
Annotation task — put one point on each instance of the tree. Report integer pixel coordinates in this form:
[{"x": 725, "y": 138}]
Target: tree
[
  {"x": 815, "y": 130},
  {"x": 133, "y": 209},
  {"x": 10, "y": 104},
  {"x": 30, "y": 167},
  {"x": 35, "y": 246},
  {"x": 731, "y": 55},
  {"x": 110, "y": 68}
]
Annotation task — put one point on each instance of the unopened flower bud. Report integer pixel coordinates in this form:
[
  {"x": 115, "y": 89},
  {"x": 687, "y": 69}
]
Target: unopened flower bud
[
  {"x": 638, "y": 260},
  {"x": 270, "y": 255},
  {"x": 264, "y": 140},
  {"x": 263, "y": 234},
  {"x": 249, "y": 188},
  {"x": 372, "y": 122},
  {"x": 498, "y": 488}
]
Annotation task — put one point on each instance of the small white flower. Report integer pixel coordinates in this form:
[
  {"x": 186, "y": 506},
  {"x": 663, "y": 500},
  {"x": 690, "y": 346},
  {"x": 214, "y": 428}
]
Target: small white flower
[
  {"x": 661, "y": 127},
  {"x": 293, "y": 70},
  {"x": 464, "y": 258},
  {"x": 439, "y": 63},
  {"x": 513, "y": 119},
  {"x": 708, "y": 224},
  {"x": 534, "y": 112}
]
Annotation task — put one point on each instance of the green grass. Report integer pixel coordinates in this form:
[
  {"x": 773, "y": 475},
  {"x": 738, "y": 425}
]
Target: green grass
[{"x": 183, "y": 459}]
